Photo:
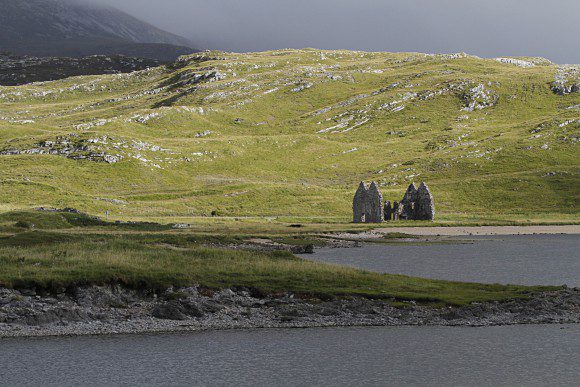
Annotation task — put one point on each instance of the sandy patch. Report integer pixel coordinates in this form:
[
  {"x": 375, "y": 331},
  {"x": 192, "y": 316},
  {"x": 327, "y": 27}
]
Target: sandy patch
[{"x": 484, "y": 230}]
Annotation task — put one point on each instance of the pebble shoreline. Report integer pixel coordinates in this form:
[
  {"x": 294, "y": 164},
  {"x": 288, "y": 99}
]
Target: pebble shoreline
[{"x": 115, "y": 310}]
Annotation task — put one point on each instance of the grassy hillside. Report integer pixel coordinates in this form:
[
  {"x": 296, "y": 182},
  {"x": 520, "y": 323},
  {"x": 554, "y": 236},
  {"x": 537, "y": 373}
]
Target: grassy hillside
[{"x": 291, "y": 133}]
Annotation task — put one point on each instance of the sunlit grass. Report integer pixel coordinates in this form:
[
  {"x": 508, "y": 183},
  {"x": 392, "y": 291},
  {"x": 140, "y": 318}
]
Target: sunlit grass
[
  {"x": 151, "y": 261},
  {"x": 265, "y": 158}
]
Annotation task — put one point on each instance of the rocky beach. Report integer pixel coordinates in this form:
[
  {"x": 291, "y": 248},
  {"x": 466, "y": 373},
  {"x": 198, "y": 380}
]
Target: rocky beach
[{"x": 113, "y": 310}]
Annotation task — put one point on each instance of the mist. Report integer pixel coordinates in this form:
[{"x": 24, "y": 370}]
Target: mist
[{"x": 487, "y": 28}]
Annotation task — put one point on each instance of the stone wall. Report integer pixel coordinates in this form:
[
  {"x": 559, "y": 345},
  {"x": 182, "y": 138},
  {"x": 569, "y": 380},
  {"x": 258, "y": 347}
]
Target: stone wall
[
  {"x": 374, "y": 204},
  {"x": 368, "y": 205},
  {"x": 424, "y": 204},
  {"x": 359, "y": 204}
]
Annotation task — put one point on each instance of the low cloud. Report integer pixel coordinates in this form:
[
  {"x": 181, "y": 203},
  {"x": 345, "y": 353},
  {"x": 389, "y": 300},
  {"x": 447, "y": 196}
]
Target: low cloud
[{"x": 486, "y": 28}]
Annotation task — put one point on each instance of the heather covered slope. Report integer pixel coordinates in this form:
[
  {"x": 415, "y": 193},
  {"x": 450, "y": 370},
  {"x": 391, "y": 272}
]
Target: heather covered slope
[{"x": 291, "y": 133}]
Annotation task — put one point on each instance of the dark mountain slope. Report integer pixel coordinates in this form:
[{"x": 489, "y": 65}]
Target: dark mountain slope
[
  {"x": 70, "y": 28},
  {"x": 17, "y": 70}
]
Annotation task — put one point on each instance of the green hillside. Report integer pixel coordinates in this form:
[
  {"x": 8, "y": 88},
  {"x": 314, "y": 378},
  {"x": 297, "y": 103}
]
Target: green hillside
[{"x": 291, "y": 133}]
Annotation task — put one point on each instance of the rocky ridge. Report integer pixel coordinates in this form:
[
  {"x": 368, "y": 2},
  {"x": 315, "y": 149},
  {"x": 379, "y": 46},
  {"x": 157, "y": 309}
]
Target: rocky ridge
[
  {"x": 102, "y": 149},
  {"x": 113, "y": 309},
  {"x": 567, "y": 80}
]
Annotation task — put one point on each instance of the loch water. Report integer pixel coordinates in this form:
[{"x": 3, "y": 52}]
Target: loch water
[
  {"x": 511, "y": 259},
  {"x": 531, "y": 355}
]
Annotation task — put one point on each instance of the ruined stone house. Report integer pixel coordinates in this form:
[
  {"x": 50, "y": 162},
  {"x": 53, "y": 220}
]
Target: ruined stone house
[
  {"x": 424, "y": 204},
  {"x": 359, "y": 202},
  {"x": 368, "y": 205},
  {"x": 374, "y": 204},
  {"x": 407, "y": 204}
]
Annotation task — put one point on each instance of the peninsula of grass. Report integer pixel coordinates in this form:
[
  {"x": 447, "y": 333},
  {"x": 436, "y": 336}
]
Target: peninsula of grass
[{"x": 49, "y": 261}]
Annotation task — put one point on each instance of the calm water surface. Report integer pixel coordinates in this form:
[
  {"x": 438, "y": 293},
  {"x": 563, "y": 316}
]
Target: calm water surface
[
  {"x": 516, "y": 259},
  {"x": 434, "y": 356},
  {"x": 516, "y": 355}
]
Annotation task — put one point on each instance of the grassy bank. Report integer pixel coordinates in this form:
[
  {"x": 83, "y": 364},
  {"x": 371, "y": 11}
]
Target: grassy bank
[{"x": 141, "y": 256}]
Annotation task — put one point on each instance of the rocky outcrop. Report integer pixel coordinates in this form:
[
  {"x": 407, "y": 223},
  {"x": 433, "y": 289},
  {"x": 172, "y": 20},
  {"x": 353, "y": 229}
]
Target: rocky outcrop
[
  {"x": 564, "y": 89},
  {"x": 71, "y": 147},
  {"x": 566, "y": 80},
  {"x": 478, "y": 97},
  {"x": 191, "y": 77},
  {"x": 102, "y": 149},
  {"x": 516, "y": 62},
  {"x": 114, "y": 309}
]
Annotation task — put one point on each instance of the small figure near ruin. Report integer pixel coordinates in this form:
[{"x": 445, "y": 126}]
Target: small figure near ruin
[{"x": 368, "y": 206}]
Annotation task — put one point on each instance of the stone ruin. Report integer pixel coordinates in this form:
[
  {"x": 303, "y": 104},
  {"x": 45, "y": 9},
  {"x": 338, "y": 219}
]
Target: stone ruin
[{"x": 368, "y": 206}]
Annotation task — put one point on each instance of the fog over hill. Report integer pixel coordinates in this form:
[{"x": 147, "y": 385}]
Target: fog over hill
[{"x": 486, "y": 28}]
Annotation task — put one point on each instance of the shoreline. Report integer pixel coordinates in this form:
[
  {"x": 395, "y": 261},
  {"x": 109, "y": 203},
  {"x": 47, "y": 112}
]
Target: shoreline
[
  {"x": 482, "y": 230},
  {"x": 114, "y": 310}
]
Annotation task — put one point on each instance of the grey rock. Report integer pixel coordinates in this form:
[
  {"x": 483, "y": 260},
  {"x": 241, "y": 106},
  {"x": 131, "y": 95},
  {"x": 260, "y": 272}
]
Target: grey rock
[
  {"x": 169, "y": 311},
  {"x": 306, "y": 249},
  {"x": 70, "y": 147},
  {"x": 240, "y": 308},
  {"x": 478, "y": 97},
  {"x": 193, "y": 309}
]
